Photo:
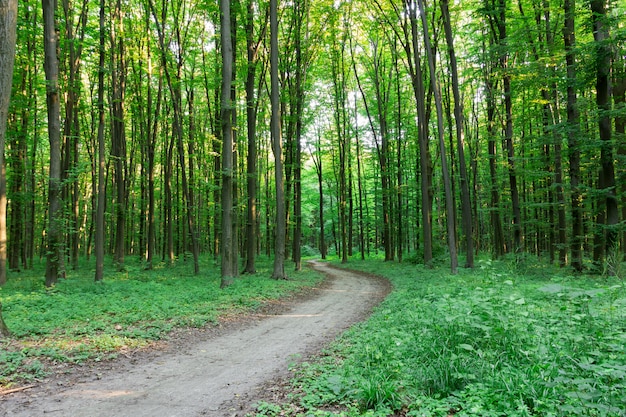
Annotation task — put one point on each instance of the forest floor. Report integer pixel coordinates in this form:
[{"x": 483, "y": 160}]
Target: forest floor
[{"x": 219, "y": 371}]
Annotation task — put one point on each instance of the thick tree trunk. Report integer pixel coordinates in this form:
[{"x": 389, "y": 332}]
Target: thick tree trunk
[
  {"x": 54, "y": 263},
  {"x": 251, "y": 161},
  {"x": 8, "y": 25},
  {"x": 608, "y": 207},
  {"x": 228, "y": 251}
]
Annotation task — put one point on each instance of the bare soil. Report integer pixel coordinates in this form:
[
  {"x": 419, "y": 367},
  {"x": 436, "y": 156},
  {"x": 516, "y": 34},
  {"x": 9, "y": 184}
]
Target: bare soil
[{"x": 214, "y": 371}]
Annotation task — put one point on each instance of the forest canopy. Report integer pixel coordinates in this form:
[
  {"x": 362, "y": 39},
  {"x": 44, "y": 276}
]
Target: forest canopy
[{"x": 414, "y": 129}]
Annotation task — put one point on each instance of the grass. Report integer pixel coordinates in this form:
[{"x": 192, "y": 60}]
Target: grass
[
  {"x": 79, "y": 320},
  {"x": 507, "y": 339}
]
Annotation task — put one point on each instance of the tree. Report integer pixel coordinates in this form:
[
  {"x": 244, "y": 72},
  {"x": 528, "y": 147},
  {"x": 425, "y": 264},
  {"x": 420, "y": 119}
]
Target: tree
[
  {"x": 444, "y": 164},
  {"x": 466, "y": 208},
  {"x": 252, "y": 47},
  {"x": 608, "y": 216},
  {"x": 573, "y": 133},
  {"x": 101, "y": 190},
  {"x": 415, "y": 64},
  {"x": 277, "y": 147},
  {"x": 118, "y": 129},
  {"x": 8, "y": 35},
  {"x": 228, "y": 250},
  {"x": 55, "y": 250}
]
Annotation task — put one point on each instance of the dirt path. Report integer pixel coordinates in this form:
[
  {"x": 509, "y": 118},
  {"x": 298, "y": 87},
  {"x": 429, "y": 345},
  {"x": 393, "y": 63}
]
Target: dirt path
[{"x": 211, "y": 376}]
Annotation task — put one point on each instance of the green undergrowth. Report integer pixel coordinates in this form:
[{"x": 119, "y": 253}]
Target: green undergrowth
[
  {"x": 79, "y": 320},
  {"x": 506, "y": 339}
]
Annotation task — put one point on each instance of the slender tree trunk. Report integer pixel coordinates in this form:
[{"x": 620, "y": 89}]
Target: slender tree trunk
[
  {"x": 301, "y": 13},
  {"x": 99, "y": 238},
  {"x": 227, "y": 249},
  {"x": 466, "y": 205},
  {"x": 277, "y": 147},
  {"x": 502, "y": 43},
  {"x": 118, "y": 134},
  {"x": 499, "y": 245},
  {"x": 251, "y": 161},
  {"x": 444, "y": 164},
  {"x": 235, "y": 167},
  {"x": 573, "y": 132},
  {"x": 54, "y": 264},
  {"x": 608, "y": 207},
  {"x": 619, "y": 99},
  {"x": 362, "y": 230},
  {"x": 339, "y": 99},
  {"x": 317, "y": 161},
  {"x": 424, "y": 158}
]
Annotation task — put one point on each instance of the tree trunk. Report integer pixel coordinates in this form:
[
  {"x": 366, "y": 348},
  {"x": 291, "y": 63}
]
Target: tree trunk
[
  {"x": 251, "y": 161},
  {"x": 466, "y": 205},
  {"x": 227, "y": 249},
  {"x": 100, "y": 226},
  {"x": 118, "y": 134},
  {"x": 300, "y": 15},
  {"x": 424, "y": 159},
  {"x": 619, "y": 99},
  {"x": 317, "y": 161},
  {"x": 444, "y": 164},
  {"x": 277, "y": 147},
  {"x": 8, "y": 35},
  {"x": 54, "y": 263},
  {"x": 608, "y": 207},
  {"x": 573, "y": 132},
  {"x": 339, "y": 99}
]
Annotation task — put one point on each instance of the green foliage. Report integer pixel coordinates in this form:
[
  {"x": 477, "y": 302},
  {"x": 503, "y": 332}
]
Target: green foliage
[
  {"x": 80, "y": 320},
  {"x": 489, "y": 342}
]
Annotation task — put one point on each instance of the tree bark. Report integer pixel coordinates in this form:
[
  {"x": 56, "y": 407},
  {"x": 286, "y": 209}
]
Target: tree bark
[
  {"x": 8, "y": 35},
  {"x": 251, "y": 161},
  {"x": 118, "y": 134},
  {"x": 101, "y": 202},
  {"x": 608, "y": 207},
  {"x": 444, "y": 164},
  {"x": 54, "y": 256},
  {"x": 573, "y": 132},
  {"x": 277, "y": 147},
  {"x": 424, "y": 159},
  {"x": 466, "y": 205},
  {"x": 227, "y": 249}
]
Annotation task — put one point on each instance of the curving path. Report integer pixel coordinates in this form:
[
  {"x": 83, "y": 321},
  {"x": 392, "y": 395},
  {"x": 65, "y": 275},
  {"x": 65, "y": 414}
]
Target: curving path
[{"x": 215, "y": 376}]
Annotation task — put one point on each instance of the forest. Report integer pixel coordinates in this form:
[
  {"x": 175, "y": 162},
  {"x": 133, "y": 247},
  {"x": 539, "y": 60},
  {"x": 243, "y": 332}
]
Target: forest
[
  {"x": 165, "y": 162},
  {"x": 423, "y": 130}
]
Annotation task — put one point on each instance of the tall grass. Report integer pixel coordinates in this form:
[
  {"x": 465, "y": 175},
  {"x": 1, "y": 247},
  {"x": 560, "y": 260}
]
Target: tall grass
[{"x": 503, "y": 340}]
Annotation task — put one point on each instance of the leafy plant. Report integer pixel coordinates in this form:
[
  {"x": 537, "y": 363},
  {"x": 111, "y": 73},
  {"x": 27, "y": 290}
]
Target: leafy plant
[
  {"x": 500, "y": 340},
  {"x": 79, "y": 320}
]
